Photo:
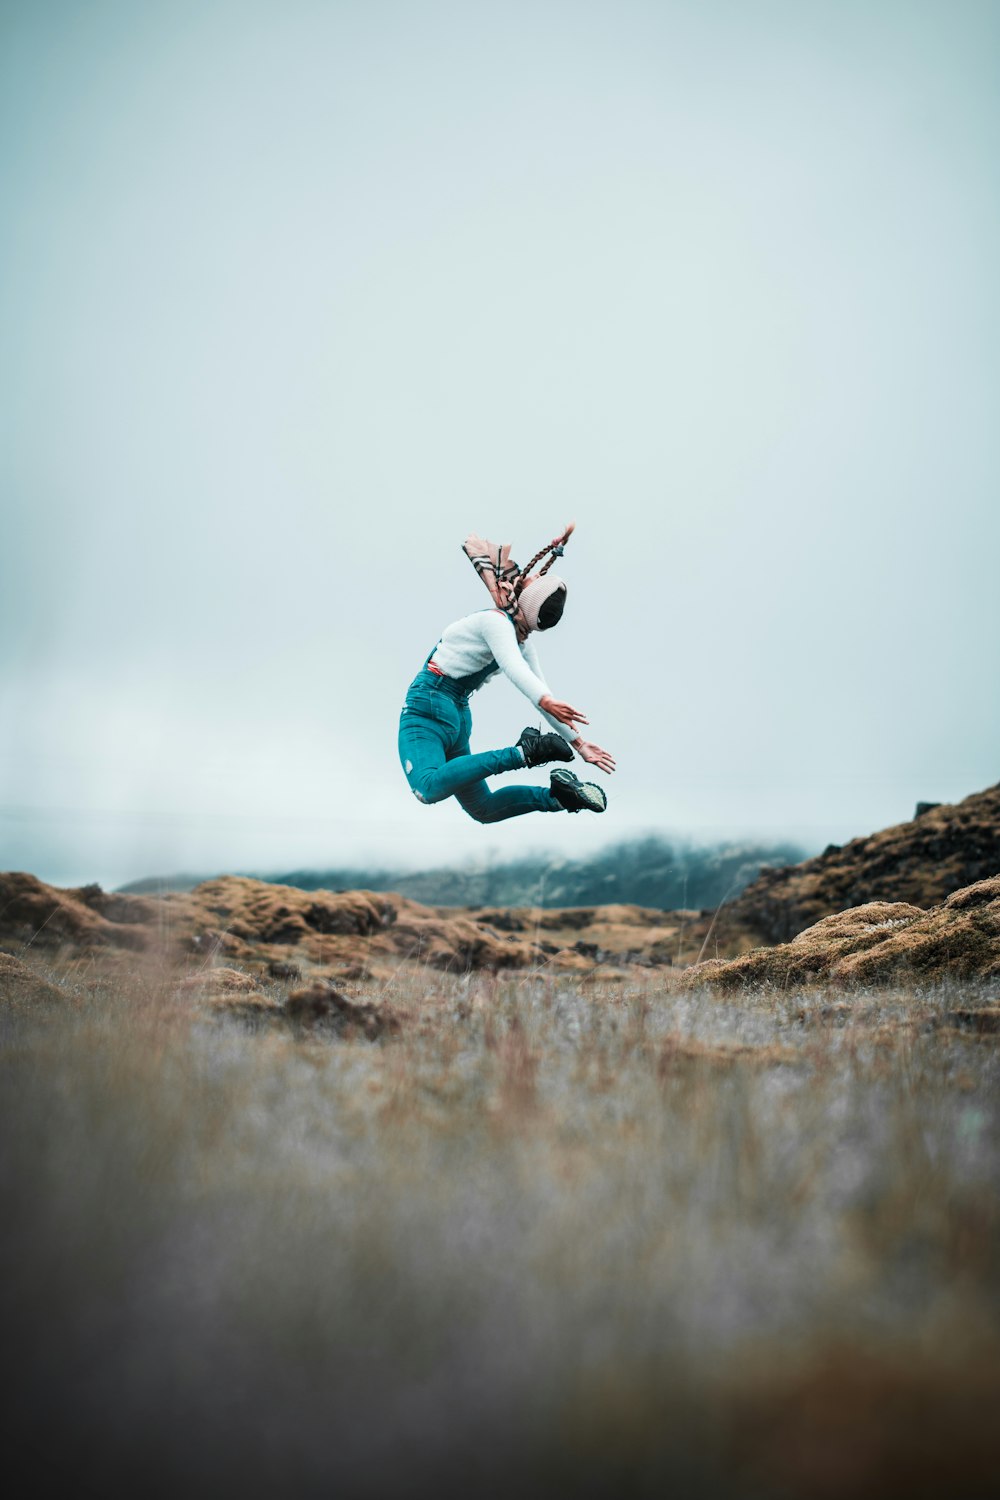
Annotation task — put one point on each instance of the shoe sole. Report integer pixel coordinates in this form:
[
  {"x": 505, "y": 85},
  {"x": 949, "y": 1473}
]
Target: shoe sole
[{"x": 590, "y": 796}]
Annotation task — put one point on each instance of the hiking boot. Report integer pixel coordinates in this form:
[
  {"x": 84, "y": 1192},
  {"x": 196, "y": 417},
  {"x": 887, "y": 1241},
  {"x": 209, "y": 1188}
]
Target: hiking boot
[
  {"x": 573, "y": 794},
  {"x": 538, "y": 748}
]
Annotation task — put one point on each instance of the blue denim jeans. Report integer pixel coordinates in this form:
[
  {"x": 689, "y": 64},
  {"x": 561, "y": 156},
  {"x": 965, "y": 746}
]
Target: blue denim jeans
[{"x": 435, "y": 728}]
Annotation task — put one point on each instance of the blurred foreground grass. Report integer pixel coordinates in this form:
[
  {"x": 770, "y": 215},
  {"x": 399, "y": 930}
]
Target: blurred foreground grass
[{"x": 549, "y": 1239}]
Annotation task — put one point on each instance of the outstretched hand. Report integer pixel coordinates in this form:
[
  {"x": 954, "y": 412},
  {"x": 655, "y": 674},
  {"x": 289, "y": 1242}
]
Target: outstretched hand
[
  {"x": 564, "y": 712},
  {"x": 594, "y": 755}
]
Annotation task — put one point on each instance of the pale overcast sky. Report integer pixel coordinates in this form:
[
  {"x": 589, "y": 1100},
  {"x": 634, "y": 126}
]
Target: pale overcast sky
[{"x": 294, "y": 295}]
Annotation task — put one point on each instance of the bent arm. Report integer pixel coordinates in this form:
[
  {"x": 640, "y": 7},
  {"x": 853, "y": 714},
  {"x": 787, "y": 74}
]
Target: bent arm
[{"x": 501, "y": 637}]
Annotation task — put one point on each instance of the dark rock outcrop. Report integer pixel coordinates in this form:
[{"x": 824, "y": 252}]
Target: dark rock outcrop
[{"x": 921, "y": 862}]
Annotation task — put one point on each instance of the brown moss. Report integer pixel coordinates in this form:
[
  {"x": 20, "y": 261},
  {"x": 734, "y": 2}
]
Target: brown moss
[
  {"x": 324, "y": 1007},
  {"x": 875, "y": 943},
  {"x": 22, "y": 989},
  {"x": 36, "y": 913},
  {"x": 214, "y": 983},
  {"x": 351, "y": 934}
]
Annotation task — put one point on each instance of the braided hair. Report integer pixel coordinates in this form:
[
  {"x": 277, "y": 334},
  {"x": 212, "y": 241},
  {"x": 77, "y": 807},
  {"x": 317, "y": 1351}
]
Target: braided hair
[{"x": 556, "y": 548}]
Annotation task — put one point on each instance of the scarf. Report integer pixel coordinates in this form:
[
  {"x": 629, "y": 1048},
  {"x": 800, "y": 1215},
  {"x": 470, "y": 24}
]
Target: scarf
[{"x": 505, "y": 580}]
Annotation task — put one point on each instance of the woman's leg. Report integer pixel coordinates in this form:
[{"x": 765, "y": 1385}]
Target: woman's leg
[
  {"x": 435, "y": 756},
  {"x": 494, "y": 807},
  {"x": 510, "y": 802}
]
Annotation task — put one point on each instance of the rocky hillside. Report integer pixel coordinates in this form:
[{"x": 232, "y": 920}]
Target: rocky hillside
[
  {"x": 920, "y": 862},
  {"x": 340, "y": 935},
  {"x": 923, "y": 897},
  {"x": 233, "y": 934}
]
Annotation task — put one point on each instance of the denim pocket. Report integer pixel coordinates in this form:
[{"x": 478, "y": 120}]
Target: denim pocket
[{"x": 431, "y": 705}]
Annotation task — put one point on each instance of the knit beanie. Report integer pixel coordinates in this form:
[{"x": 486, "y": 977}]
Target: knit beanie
[{"x": 534, "y": 595}]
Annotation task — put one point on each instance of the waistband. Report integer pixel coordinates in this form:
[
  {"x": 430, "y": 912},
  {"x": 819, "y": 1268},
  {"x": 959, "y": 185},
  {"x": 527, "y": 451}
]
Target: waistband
[{"x": 433, "y": 677}]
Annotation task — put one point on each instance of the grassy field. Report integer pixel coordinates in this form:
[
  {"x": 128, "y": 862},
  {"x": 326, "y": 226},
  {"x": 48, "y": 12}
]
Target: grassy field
[{"x": 550, "y": 1238}]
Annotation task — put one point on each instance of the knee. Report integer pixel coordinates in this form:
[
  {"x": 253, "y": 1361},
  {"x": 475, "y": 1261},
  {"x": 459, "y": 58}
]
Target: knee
[
  {"x": 421, "y": 777},
  {"x": 479, "y": 805},
  {"x": 421, "y": 783},
  {"x": 424, "y": 792}
]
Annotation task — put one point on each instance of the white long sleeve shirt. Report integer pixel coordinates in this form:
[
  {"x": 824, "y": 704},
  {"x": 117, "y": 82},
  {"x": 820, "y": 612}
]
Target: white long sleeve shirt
[{"x": 470, "y": 644}]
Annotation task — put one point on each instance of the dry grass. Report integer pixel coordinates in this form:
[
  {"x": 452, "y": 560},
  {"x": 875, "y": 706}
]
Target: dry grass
[
  {"x": 878, "y": 943},
  {"x": 548, "y": 1238}
]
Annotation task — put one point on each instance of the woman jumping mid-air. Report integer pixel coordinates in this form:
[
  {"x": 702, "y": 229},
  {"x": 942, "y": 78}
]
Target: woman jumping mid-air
[{"x": 436, "y": 725}]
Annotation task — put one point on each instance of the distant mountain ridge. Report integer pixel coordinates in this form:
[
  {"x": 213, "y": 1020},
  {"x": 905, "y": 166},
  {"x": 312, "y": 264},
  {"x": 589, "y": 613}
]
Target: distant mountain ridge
[{"x": 650, "y": 871}]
